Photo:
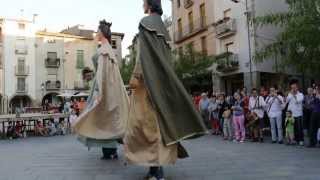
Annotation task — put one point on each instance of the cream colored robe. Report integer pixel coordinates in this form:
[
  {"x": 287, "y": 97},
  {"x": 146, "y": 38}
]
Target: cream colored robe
[
  {"x": 106, "y": 115},
  {"x": 143, "y": 141}
]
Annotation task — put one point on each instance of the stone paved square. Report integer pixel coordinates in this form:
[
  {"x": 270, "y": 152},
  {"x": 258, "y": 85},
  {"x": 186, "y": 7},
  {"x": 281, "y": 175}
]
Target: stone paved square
[{"x": 64, "y": 158}]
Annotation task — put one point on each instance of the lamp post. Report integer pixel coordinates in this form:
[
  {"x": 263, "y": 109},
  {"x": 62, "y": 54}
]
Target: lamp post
[{"x": 248, "y": 14}]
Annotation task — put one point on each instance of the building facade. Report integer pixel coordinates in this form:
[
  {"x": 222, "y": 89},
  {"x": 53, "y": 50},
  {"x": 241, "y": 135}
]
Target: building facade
[
  {"x": 235, "y": 69},
  {"x": 19, "y": 72},
  {"x": 38, "y": 65},
  {"x": 192, "y": 25}
]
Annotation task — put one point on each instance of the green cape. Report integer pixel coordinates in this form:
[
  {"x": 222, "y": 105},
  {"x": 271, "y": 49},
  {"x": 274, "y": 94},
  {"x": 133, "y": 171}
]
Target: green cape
[{"x": 178, "y": 119}]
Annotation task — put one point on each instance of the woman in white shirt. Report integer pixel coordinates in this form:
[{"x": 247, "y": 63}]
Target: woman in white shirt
[{"x": 275, "y": 104}]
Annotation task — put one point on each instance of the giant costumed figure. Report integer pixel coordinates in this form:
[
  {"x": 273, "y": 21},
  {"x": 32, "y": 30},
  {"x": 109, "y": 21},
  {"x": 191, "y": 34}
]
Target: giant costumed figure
[
  {"x": 161, "y": 111},
  {"x": 103, "y": 121}
]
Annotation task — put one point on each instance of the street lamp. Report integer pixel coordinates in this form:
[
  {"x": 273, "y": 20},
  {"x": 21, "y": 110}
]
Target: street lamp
[{"x": 247, "y": 13}]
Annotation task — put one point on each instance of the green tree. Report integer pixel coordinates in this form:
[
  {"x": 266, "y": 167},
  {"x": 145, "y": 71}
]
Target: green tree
[
  {"x": 298, "y": 43},
  {"x": 192, "y": 68},
  {"x": 127, "y": 68}
]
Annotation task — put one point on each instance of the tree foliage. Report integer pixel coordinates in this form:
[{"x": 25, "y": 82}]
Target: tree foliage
[
  {"x": 192, "y": 68},
  {"x": 127, "y": 68},
  {"x": 298, "y": 44}
]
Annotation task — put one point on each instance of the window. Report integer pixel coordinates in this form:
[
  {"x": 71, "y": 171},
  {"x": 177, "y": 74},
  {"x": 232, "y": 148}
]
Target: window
[
  {"x": 114, "y": 44},
  {"x": 180, "y": 27},
  {"x": 80, "y": 59},
  {"x": 204, "y": 45},
  {"x": 191, "y": 25},
  {"x": 227, "y": 13},
  {"x": 52, "y": 55},
  {"x": 178, "y": 3},
  {"x": 22, "y": 26},
  {"x": 21, "y": 66},
  {"x": 229, "y": 47},
  {"x": 203, "y": 15},
  {"x": 21, "y": 84}
]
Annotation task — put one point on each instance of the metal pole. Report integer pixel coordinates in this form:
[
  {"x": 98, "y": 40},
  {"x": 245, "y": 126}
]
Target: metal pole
[{"x": 249, "y": 43}]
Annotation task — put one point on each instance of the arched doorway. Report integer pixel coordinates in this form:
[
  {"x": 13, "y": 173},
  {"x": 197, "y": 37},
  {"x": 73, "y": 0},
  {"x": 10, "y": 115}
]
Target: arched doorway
[
  {"x": 20, "y": 102},
  {"x": 51, "y": 98}
]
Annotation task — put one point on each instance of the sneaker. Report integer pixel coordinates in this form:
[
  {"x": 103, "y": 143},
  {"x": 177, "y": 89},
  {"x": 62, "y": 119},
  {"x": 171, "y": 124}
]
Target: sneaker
[
  {"x": 273, "y": 142},
  {"x": 280, "y": 142},
  {"x": 301, "y": 143},
  {"x": 242, "y": 141},
  {"x": 235, "y": 140}
]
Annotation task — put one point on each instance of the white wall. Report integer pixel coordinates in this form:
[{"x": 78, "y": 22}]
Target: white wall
[{"x": 11, "y": 33}]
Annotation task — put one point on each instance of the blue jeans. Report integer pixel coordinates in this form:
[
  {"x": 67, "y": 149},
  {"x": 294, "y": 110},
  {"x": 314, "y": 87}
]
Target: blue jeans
[{"x": 276, "y": 128}]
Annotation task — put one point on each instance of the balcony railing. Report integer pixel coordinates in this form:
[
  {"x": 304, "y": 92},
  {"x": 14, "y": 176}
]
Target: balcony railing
[
  {"x": 52, "y": 63},
  {"x": 81, "y": 85},
  {"x": 22, "y": 89},
  {"x": 225, "y": 28},
  {"x": 22, "y": 70},
  {"x": 53, "y": 85},
  {"x": 227, "y": 62},
  {"x": 21, "y": 50},
  {"x": 187, "y": 31},
  {"x": 188, "y": 3}
]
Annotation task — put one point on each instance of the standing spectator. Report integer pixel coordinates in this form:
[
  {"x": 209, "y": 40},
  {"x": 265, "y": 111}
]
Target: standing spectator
[
  {"x": 196, "y": 100},
  {"x": 257, "y": 105},
  {"x": 203, "y": 108},
  {"x": 307, "y": 108},
  {"x": 315, "y": 119},
  {"x": 214, "y": 115},
  {"x": 275, "y": 105},
  {"x": 238, "y": 118},
  {"x": 289, "y": 123},
  {"x": 295, "y": 103},
  {"x": 227, "y": 124},
  {"x": 222, "y": 105},
  {"x": 245, "y": 100}
]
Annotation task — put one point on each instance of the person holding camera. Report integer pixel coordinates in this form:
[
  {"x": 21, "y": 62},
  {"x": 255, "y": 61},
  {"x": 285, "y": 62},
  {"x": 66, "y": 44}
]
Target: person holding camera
[{"x": 275, "y": 104}]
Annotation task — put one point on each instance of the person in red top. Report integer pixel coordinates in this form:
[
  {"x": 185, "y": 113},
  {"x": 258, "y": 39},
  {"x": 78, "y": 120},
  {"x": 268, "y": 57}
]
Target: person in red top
[{"x": 245, "y": 100}]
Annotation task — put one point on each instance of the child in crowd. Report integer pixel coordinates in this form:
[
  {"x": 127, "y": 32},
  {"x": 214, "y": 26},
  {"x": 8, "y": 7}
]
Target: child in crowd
[
  {"x": 238, "y": 119},
  {"x": 289, "y": 128},
  {"x": 227, "y": 124},
  {"x": 73, "y": 118},
  {"x": 253, "y": 126},
  {"x": 214, "y": 119}
]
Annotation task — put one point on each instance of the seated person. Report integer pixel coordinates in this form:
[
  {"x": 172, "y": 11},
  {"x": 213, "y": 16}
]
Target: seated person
[
  {"x": 52, "y": 129},
  {"x": 40, "y": 129},
  {"x": 18, "y": 130},
  {"x": 61, "y": 128},
  {"x": 253, "y": 126},
  {"x": 10, "y": 131}
]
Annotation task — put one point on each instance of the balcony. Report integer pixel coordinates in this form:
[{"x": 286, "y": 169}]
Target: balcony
[
  {"x": 188, "y": 3},
  {"x": 22, "y": 70},
  {"x": 225, "y": 28},
  {"x": 52, "y": 63},
  {"x": 189, "y": 31},
  {"x": 21, "y": 50},
  {"x": 21, "y": 89},
  {"x": 53, "y": 85},
  {"x": 81, "y": 85},
  {"x": 227, "y": 62}
]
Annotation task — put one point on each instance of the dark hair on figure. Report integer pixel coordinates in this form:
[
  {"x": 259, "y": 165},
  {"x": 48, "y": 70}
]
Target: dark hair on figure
[
  {"x": 105, "y": 28},
  {"x": 155, "y": 6}
]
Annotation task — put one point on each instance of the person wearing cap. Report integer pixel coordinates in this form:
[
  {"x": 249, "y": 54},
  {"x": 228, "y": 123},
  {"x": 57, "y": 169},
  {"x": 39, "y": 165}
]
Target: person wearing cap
[{"x": 161, "y": 111}]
